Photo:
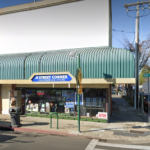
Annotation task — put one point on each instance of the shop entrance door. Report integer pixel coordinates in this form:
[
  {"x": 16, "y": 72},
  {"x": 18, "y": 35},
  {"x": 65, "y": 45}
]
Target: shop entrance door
[{"x": 95, "y": 101}]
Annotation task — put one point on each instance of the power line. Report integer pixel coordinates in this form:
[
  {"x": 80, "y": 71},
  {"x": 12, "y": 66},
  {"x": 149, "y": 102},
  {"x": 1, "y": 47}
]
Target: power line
[
  {"x": 143, "y": 15},
  {"x": 122, "y": 31},
  {"x": 140, "y": 7}
]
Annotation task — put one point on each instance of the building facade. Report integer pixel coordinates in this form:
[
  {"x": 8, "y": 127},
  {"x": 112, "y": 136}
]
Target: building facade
[{"x": 46, "y": 80}]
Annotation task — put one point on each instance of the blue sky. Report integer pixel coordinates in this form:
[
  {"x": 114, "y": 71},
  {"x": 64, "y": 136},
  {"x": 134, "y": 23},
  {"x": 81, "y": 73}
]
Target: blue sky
[{"x": 120, "y": 20}]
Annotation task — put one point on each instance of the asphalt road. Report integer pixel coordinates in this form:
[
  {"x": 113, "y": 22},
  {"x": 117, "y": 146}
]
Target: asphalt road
[{"x": 23, "y": 141}]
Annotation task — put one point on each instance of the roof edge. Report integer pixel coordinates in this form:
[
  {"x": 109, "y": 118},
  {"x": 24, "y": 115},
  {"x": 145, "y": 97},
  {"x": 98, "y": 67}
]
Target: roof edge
[
  {"x": 32, "y": 6},
  {"x": 68, "y": 49}
]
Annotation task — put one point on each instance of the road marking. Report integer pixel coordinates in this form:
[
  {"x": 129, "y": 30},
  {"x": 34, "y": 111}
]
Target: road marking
[
  {"x": 124, "y": 146},
  {"x": 92, "y": 144},
  {"x": 99, "y": 149}
]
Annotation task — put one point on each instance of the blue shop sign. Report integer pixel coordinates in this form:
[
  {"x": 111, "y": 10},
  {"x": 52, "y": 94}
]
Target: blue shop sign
[{"x": 51, "y": 78}]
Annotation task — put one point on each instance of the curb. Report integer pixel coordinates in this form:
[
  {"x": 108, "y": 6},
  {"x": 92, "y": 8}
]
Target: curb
[
  {"x": 17, "y": 129},
  {"x": 6, "y": 128}
]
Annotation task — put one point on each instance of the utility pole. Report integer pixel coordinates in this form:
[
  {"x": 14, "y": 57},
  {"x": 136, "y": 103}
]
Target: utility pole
[{"x": 139, "y": 6}]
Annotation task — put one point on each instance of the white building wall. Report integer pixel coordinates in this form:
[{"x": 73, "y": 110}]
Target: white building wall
[
  {"x": 5, "y": 98},
  {"x": 72, "y": 25}
]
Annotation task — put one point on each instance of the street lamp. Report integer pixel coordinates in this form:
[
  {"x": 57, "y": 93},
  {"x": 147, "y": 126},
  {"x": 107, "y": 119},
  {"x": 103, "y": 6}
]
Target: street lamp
[{"x": 72, "y": 55}]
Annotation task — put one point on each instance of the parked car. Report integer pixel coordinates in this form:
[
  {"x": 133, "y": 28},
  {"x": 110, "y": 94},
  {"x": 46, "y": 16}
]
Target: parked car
[
  {"x": 120, "y": 89},
  {"x": 145, "y": 102}
]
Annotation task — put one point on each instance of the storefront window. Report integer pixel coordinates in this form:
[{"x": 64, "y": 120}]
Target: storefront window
[
  {"x": 87, "y": 101},
  {"x": 95, "y": 97},
  {"x": 46, "y": 101}
]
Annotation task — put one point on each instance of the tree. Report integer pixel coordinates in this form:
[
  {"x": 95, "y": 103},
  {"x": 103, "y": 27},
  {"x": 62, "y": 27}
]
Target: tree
[
  {"x": 145, "y": 69},
  {"x": 144, "y": 56},
  {"x": 144, "y": 50}
]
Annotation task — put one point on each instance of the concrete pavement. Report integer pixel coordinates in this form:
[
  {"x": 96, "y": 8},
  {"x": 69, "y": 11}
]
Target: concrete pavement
[{"x": 125, "y": 124}]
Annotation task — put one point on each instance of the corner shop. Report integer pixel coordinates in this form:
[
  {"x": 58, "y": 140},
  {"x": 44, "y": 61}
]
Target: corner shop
[{"x": 101, "y": 67}]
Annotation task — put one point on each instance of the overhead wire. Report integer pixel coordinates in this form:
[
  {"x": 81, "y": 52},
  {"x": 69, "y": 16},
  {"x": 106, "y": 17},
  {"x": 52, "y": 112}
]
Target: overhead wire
[
  {"x": 122, "y": 31},
  {"x": 118, "y": 40}
]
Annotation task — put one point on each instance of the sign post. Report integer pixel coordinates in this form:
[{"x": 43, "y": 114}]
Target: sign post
[
  {"x": 79, "y": 79},
  {"x": 78, "y": 98},
  {"x": 148, "y": 75}
]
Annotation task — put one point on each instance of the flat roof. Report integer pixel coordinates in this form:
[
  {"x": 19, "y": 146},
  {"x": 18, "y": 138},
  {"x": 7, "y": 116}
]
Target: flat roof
[{"x": 33, "y": 5}]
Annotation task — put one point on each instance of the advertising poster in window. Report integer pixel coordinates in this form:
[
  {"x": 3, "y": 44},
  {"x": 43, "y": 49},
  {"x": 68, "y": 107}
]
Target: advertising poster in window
[
  {"x": 69, "y": 97},
  {"x": 76, "y": 99},
  {"x": 13, "y": 98}
]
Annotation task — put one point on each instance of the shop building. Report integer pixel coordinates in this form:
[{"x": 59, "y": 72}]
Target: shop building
[{"x": 45, "y": 81}]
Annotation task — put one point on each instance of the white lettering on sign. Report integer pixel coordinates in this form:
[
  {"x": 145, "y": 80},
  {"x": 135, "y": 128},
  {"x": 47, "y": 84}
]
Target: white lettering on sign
[
  {"x": 49, "y": 78},
  {"x": 43, "y": 77},
  {"x": 102, "y": 115},
  {"x": 36, "y": 77}
]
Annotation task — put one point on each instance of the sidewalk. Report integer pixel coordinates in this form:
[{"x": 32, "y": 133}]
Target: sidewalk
[{"x": 125, "y": 124}]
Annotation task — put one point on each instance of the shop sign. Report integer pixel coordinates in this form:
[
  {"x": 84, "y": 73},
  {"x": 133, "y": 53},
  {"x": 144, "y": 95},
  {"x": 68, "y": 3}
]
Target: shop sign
[
  {"x": 102, "y": 115},
  {"x": 51, "y": 78}
]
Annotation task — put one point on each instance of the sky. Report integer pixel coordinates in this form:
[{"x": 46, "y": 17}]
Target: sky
[{"x": 123, "y": 24}]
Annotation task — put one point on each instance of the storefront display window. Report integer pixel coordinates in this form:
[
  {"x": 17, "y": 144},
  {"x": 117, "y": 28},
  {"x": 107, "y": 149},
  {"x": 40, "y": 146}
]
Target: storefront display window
[
  {"x": 95, "y": 97},
  {"x": 46, "y": 101},
  {"x": 63, "y": 101},
  {"x": 69, "y": 97},
  {"x": 87, "y": 101}
]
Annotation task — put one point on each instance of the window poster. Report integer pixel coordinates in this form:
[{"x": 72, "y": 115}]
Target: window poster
[
  {"x": 76, "y": 99},
  {"x": 32, "y": 107},
  {"x": 69, "y": 97},
  {"x": 13, "y": 98}
]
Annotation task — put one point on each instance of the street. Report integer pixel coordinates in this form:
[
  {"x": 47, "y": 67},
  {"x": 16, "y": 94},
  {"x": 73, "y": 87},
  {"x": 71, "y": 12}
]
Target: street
[{"x": 21, "y": 140}]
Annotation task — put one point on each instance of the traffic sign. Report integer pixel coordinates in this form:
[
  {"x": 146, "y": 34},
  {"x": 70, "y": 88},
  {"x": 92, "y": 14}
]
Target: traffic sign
[
  {"x": 146, "y": 75},
  {"x": 79, "y": 87},
  {"x": 79, "y": 91},
  {"x": 79, "y": 76}
]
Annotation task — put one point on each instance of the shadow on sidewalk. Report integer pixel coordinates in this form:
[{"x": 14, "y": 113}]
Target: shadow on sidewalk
[
  {"x": 4, "y": 122},
  {"x": 35, "y": 124},
  {"x": 123, "y": 112}
]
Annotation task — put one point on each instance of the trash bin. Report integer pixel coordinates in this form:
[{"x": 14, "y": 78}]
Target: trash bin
[{"x": 15, "y": 116}]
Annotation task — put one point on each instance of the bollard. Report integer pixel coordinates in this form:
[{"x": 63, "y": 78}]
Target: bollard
[
  {"x": 57, "y": 120},
  {"x": 142, "y": 107},
  {"x": 51, "y": 119}
]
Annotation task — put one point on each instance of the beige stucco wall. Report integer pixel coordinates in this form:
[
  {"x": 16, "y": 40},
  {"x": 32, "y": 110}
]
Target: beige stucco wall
[{"x": 5, "y": 98}]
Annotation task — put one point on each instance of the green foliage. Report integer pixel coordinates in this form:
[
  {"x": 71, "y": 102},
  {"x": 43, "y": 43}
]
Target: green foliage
[
  {"x": 67, "y": 117},
  {"x": 145, "y": 69}
]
